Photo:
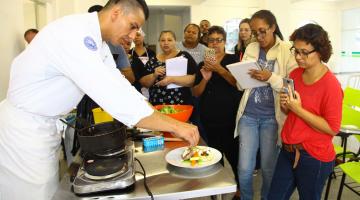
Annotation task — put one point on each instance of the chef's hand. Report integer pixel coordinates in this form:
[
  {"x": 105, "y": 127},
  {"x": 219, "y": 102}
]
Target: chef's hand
[
  {"x": 261, "y": 75},
  {"x": 159, "y": 71},
  {"x": 187, "y": 132}
]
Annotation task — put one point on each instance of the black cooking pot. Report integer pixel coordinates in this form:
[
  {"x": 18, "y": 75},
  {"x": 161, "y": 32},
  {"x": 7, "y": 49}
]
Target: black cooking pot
[{"x": 103, "y": 137}]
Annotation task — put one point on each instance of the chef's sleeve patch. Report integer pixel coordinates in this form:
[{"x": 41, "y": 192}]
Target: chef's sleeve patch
[{"x": 90, "y": 43}]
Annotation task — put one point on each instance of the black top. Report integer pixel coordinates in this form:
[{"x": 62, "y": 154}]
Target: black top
[
  {"x": 162, "y": 95},
  {"x": 238, "y": 51},
  {"x": 204, "y": 39},
  {"x": 220, "y": 100},
  {"x": 137, "y": 66}
]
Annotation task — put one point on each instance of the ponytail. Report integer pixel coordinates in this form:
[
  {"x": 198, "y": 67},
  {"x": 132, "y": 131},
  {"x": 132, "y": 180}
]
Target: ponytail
[{"x": 270, "y": 19}]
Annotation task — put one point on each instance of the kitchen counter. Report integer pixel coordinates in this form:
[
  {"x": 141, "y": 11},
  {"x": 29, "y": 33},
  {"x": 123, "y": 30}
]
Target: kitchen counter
[{"x": 165, "y": 181}]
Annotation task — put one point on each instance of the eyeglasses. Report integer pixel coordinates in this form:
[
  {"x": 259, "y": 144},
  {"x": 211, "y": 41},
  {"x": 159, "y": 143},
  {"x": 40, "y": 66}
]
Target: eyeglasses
[
  {"x": 260, "y": 32},
  {"x": 302, "y": 53},
  {"x": 217, "y": 40}
]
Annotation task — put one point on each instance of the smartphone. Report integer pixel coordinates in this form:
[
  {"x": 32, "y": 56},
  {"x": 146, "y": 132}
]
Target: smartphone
[
  {"x": 210, "y": 55},
  {"x": 289, "y": 82}
]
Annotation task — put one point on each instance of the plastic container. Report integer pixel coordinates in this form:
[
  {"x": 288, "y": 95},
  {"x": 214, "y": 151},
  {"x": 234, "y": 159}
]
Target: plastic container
[
  {"x": 183, "y": 115},
  {"x": 100, "y": 116},
  {"x": 153, "y": 144}
]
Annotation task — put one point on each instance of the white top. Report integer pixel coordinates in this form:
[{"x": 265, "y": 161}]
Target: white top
[
  {"x": 65, "y": 60},
  {"x": 197, "y": 53}
]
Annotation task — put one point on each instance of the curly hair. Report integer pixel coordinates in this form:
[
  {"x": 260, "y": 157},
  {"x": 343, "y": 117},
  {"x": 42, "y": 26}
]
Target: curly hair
[{"x": 316, "y": 36}]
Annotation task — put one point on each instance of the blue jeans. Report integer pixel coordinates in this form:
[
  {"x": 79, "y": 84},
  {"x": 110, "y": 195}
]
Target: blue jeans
[
  {"x": 309, "y": 176},
  {"x": 255, "y": 133}
]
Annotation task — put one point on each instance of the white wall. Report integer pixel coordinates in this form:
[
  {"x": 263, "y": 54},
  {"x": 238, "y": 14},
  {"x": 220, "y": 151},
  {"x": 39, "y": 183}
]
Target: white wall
[
  {"x": 11, "y": 43},
  {"x": 217, "y": 12},
  {"x": 290, "y": 14},
  {"x": 327, "y": 15}
]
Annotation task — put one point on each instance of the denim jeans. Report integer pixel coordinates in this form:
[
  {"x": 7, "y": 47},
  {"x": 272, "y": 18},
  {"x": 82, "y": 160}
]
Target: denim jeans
[
  {"x": 255, "y": 133},
  {"x": 309, "y": 176}
]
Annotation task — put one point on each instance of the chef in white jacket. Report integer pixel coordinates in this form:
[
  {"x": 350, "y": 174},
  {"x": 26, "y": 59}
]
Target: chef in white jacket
[{"x": 67, "y": 59}]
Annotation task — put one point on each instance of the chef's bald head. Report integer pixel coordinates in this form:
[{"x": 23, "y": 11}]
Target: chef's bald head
[{"x": 129, "y": 5}]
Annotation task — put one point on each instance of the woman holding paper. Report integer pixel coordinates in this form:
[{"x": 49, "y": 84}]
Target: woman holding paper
[
  {"x": 259, "y": 117},
  {"x": 164, "y": 88},
  {"x": 219, "y": 97}
]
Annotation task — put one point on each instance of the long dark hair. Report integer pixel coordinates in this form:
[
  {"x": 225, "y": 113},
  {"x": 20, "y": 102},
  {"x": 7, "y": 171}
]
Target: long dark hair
[{"x": 270, "y": 19}]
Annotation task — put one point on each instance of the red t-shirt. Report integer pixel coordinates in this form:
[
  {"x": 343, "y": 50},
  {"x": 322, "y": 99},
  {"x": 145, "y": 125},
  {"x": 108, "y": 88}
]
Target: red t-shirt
[{"x": 323, "y": 98}]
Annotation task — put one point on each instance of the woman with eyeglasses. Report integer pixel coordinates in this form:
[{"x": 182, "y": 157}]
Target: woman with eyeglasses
[
  {"x": 259, "y": 117},
  {"x": 313, "y": 118},
  {"x": 156, "y": 80},
  {"x": 219, "y": 97},
  {"x": 245, "y": 38}
]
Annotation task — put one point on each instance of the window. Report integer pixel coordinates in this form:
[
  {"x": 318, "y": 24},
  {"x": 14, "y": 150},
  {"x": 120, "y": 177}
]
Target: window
[
  {"x": 232, "y": 34},
  {"x": 350, "y": 41}
]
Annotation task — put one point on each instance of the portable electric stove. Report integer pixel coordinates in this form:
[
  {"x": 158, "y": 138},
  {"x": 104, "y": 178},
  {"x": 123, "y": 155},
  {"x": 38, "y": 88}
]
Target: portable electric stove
[{"x": 104, "y": 172}]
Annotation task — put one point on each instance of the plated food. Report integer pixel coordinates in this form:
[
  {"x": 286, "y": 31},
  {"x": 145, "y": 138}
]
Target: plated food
[
  {"x": 193, "y": 158},
  {"x": 197, "y": 155}
]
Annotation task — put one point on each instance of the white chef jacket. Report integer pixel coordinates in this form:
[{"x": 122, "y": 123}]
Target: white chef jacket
[{"x": 48, "y": 79}]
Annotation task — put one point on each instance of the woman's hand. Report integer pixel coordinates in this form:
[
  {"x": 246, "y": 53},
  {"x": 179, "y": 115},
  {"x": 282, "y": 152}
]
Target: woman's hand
[
  {"x": 210, "y": 66},
  {"x": 206, "y": 74},
  {"x": 288, "y": 102},
  {"x": 261, "y": 75},
  {"x": 284, "y": 98},
  {"x": 165, "y": 81},
  {"x": 159, "y": 71}
]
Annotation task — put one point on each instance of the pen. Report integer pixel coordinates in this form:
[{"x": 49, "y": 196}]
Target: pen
[{"x": 259, "y": 66}]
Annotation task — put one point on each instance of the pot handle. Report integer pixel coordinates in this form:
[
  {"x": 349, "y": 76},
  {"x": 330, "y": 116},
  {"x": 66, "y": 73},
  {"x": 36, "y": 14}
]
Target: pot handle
[{"x": 65, "y": 122}]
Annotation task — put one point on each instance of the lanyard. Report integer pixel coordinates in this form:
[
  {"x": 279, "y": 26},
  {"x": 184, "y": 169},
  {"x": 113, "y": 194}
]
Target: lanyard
[{"x": 132, "y": 53}]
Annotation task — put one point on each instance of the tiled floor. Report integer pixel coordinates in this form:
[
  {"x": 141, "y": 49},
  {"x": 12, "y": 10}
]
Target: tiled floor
[{"x": 347, "y": 194}]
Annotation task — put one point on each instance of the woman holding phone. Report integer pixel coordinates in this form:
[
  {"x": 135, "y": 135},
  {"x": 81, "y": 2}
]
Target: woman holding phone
[
  {"x": 259, "y": 118},
  {"x": 314, "y": 117},
  {"x": 219, "y": 97}
]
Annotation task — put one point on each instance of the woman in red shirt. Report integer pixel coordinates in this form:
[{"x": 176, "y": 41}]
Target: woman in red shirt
[{"x": 314, "y": 117}]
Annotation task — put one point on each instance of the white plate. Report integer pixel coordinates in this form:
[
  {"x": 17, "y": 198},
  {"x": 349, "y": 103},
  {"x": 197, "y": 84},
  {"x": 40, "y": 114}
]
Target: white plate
[{"x": 174, "y": 158}]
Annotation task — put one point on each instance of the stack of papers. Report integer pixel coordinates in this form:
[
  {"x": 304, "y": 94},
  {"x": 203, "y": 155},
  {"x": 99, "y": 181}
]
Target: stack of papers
[
  {"x": 240, "y": 71},
  {"x": 176, "y": 67}
]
